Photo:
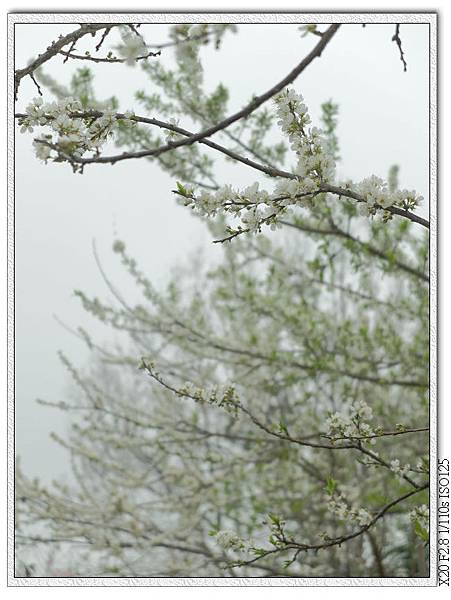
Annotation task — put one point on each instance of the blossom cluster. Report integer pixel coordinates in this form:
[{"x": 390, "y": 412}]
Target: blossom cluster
[
  {"x": 315, "y": 163},
  {"x": 254, "y": 207},
  {"x": 400, "y": 470},
  {"x": 353, "y": 425},
  {"x": 132, "y": 46},
  {"x": 228, "y": 540},
  {"x": 223, "y": 396},
  {"x": 71, "y": 131},
  {"x": 338, "y": 506},
  {"x": 187, "y": 57},
  {"x": 422, "y": 465},
  {"x": 377, "y": 195}
]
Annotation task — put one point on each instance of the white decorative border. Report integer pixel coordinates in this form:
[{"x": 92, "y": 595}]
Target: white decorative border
[{"x": 233, "y": 17}]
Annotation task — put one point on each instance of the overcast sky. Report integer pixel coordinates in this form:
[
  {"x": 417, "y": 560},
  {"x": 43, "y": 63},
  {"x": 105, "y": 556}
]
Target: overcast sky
[{"x": 383, "y": 120}]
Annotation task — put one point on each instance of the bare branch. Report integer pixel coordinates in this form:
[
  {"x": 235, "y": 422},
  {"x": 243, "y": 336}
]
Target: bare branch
[
  {"x": 397, "y": 39},
  {"x": 102, "y": 39},
  {"x": 53, "y": 50}
]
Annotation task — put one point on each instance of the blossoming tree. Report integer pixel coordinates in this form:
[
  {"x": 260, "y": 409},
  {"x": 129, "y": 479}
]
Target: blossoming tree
[{"x": 268, "y": 416}]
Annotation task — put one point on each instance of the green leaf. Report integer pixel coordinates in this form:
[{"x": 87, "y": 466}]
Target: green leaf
[
  {"x": 331, "y": 485},
  {"x": 283, "y": 428},
  {"x": 181, "y": 189},
  {"x": 296, "y": 505},
  {"x": 421, "y": 531}
]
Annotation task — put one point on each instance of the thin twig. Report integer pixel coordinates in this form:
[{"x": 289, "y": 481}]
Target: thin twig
[
  {"x": 336, "y": 231},
  {"x": 36, "y": 83},
  {"x": 102, "y": 39},
  {"x": 398, "y": 41},
  {"x": 71, "y": 48},
  {"x": 98, "y": 59},
  {"x": 54, "y": 49}
]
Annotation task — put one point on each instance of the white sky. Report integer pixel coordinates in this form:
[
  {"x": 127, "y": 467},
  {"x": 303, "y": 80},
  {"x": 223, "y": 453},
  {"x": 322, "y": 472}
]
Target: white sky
[{"x": 383, "y": 120}]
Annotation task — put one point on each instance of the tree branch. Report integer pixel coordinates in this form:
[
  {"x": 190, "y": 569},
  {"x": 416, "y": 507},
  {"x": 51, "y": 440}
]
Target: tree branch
[
  {"x": 299, "y": 547},
  {"x": 336, "y": 231},
  {"x": 394, "y": 210},
  {"x": 245, "y": 112},
  {"x": 397, "y": 39},
  {"x": 55, "y": 49},
  {"x": 156, "y": 152},
  {"x": 98, "y": 59}
]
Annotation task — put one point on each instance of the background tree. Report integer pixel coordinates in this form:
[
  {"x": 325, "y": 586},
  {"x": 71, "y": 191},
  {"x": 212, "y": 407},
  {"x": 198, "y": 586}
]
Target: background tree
[{"x": 268, "y": 415}]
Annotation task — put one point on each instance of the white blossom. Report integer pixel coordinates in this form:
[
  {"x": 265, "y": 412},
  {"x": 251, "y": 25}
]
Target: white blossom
[
  {"x": 67, "y": 131},
  {"x": 395, "y": 465},
  {"x": 399, "y": 470},
  {"x": 132, "y": 47},
  {"x": 362, "y": 410},
  {"x": 229, "y": 540},
  {"x": 363, "y": 517},
  {"x": 314, "y": 160},
  {"x": 376, "y": 194}
]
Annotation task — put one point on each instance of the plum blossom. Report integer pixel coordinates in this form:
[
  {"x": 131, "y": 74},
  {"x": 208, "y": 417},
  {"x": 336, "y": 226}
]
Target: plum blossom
[
  {"x": 314, "y": 160},
  {"x": 67, "y": 129},
  {"x": 377, "y": 194},
  {"x": 228, "y": 540},
  {"x": 353, "y": 425},
  {"x": 132, "y": 47},
  {"x": 338, "y": 506},
  {"x": 399, "y": 470}
]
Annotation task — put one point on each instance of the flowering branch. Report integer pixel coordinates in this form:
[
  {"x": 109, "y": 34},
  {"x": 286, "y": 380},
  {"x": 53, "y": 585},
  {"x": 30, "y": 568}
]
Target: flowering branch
[
  {"x": 246, "y": 111},
  {"x": 394, "y": 210},
  {"x": 378, "y": 435},
  {"x": 106, "y": 59},
  {"x": 312, "y": 176},
  {"x": 93, "y": 114},
  {"x": 284, "y": 542},
  {"x": 228, "y": 400}
]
